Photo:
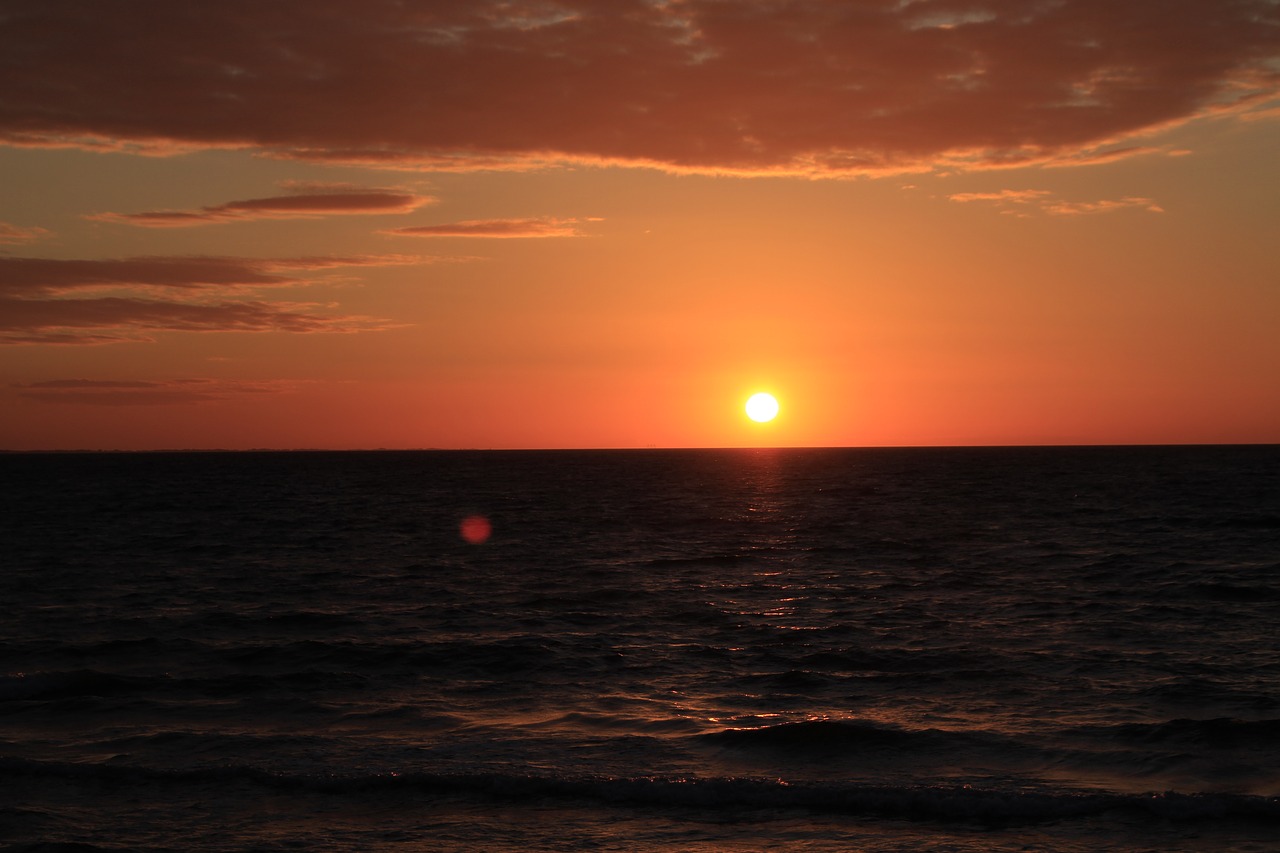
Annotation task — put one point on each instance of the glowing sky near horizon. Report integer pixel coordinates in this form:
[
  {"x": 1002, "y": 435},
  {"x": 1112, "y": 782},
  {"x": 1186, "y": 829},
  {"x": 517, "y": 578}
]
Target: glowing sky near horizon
[{"x": 362, "y": 224}]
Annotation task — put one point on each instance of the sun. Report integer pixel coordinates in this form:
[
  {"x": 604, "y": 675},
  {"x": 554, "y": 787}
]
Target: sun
[{"x": 762, "y": 408}]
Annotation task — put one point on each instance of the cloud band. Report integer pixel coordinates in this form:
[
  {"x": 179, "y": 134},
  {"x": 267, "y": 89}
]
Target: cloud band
[{"x": 748, "y": 86}]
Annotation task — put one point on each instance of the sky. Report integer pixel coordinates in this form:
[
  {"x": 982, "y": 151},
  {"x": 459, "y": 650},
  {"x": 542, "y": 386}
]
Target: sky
[{"x": 606, "y": 223}]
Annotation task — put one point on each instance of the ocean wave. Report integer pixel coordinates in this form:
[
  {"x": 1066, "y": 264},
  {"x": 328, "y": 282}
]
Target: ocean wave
[
  {"x": 1214, "y": 692},
  {"x": 896, "y": 660},
  {"x": 577, "y": 720},
  {"x": 793, "y": 680},
  {"x": 83, "y": 683},
  {"x": 1252, "y": 521},
  {"x": 957, "y": 804},
  {"x": 816, "y": 734},
  {"x": 278, "y": 620},
  {"x": 299, "y": 664},
  {"x": 836, "y": 738},
  {"x": 67, "y": 685},
  {"x": 1235, "y": 593},
  {"x": 720, "y": 559},
  {"x": 56, "y": 847},
  {"x": 1217, "y": 733}
]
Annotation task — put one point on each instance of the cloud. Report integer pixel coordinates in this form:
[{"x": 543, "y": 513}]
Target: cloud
[
  {"x": 138, "y": 393},
  {"x": 12, "y": 235},
  {"x": 748, "y": 87},
  {"x": 26, "y": 276},
  {"x": 1093, "y": 158},
  {"x": 1019, "y": 201},
  {"x": 1010, "y": 196},
  {"x": 1076, "y": 208},
  {"x": 299, "y": 206},
  {"x": 58, "y": 301},
  {"x": 57, "y": 275},
  {"x": 494, "y": 228},
  {"x": 120, "y": 320}
]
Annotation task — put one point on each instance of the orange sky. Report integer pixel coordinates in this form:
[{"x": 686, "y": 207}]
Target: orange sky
[{"x": 347, "y": 224}]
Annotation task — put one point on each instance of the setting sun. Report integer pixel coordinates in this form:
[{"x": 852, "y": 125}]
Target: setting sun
[{"x": 762, "y": 407}]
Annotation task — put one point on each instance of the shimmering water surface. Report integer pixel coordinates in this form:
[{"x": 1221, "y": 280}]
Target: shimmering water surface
[{"x": 951, "y": 649}]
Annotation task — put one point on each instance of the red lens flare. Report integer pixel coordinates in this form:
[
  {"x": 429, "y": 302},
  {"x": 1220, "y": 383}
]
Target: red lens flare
[{"x": 475, "y": 529}]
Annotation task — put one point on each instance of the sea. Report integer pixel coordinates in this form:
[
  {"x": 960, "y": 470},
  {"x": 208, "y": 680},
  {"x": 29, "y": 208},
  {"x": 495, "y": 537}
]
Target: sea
[{"x": 895, "y": 649}]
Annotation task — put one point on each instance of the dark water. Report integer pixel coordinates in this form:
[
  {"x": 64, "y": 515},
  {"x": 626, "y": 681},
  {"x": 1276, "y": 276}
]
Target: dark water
[{"x": 953, "y": 649}]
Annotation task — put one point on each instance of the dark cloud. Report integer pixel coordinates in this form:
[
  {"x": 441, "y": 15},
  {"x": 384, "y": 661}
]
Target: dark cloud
[
  {"x": 20, "y": 276},
  {"x": 118, "y": 319},
  {"x": 798, "y": 86},
  {"x": 494, "y": 228},
  {"x": 298, "y": 206},
  {"x": 136, "y": 393},
  {"x": 79, "y": 384},
  {"x": 53, "y": 275},
  {"x": 58, "y": 301}
]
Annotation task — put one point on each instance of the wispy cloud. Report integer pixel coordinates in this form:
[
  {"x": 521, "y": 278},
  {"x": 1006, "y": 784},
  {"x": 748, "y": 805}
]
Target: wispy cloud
[
  {"x": 1078, "y": 208},
  {"x": 495, "y": 228},
  {"x": 1021, "y": 202},
  {"x": 51, "y": 301},
  {"x": 1002, "y": 196},
  {"x": 97, "y": 392},
  {"x": 24, "y": 276},
  {"x": 121, "y": 320},
  {"x": 1109, "y": 155},
  {"x": 13, "y": 235},
  {"x": 747, "y": 87},
  {"x": 345, "y": 202}
]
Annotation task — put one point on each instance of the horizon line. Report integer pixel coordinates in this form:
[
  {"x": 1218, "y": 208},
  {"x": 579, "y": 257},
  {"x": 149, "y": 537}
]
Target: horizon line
[{"x": 1030, "y": 446}]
